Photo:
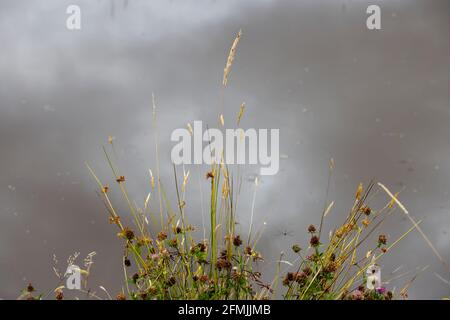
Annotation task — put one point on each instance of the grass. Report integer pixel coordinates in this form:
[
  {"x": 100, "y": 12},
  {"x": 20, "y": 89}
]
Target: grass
[
  {"x": 173, "y": 263},
  {"x": 166, "y": 258}
]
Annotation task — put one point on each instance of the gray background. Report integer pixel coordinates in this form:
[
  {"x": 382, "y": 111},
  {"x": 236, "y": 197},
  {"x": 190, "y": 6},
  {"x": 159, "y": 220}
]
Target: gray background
[{"x": 375, "y": 101}]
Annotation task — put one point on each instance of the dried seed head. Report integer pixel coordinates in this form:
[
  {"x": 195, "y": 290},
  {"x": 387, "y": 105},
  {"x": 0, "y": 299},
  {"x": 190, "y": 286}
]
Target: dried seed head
[
  {"x": 388, "y": 295},
  {"x": 114, "y": 220},
  {"x": 382, "y": 239},
  {"x": 366, "y": 210},
  {"x": 359, "y": 191},
  {"x": 307, "y": 271},
  {"x": 223, "y": 264},
  {"x": 290, "y": 276},
  {"x": 314, "y": 241},
  {"x": 296, "y": 248},
  {"x": 300, "y": 277},
  {"x": 173, "y": 243},
  {"x": 59, "y": 295},
  {"x": 241, "y": 113},
  {"x": 224, "y": 253},
  {"x": 120, "y": 179},
  {"x": 162, "y": 236},
  {"x": 331, "y": 267},
  {"x": 30, "y": 288},
  {"x": 201, "y": 246},
  {"x": 356, "y": 295},
  {"x": 365, "y": 222},
  {"x": 143, "y": 295},
  {"x": 210, "y": 174},
  {"x": 121, "y": 296},
  {"x": 237, "y": 241},
  {"x": 231, "y": 56},
  {"x": 128, "y": 234},
  {"x": 127, "y": 262},
  {"x": 143, "y": 241},
  {"x": 311, "y": 229}
]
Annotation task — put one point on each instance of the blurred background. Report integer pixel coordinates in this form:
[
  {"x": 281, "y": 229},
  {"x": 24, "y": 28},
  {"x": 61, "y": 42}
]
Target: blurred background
[{"x": 377, "y": 102}]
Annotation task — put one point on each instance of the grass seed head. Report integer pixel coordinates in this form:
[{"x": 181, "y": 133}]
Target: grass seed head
[{"x": 231, "y": 57}]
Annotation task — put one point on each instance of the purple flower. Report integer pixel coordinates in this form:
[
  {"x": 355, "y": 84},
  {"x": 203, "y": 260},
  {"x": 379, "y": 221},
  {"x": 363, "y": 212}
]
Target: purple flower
[{"x": 381, "y": 290}]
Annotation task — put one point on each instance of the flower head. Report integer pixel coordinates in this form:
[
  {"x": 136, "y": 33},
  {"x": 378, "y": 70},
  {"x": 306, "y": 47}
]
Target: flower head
[
  {"x": 237, "y": 241},
  {"x": 382, "y": 239},
  {"x": 314, "y": 241}
]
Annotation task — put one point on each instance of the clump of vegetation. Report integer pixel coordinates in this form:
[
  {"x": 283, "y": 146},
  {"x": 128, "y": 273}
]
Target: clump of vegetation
[{"x": 165, "y": 258}]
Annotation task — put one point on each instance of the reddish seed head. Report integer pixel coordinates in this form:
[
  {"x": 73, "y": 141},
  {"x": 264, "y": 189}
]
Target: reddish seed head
[
  {"x": 382, "y": 239},
  {"x": 223, "y": 264},
  {"x": 314, "y": 241},
  {"x": 307, "y": 271},
  {"x": 59, "y": 295},
  {"x": 162, "y": 236},
  {"x": 237, "y": 241},
  {"x": 366, "y": 210},
  {"x": 121, "y": 296},
  {"x": 290, "y": 276},
  {"x": 128, "y": 233}
]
